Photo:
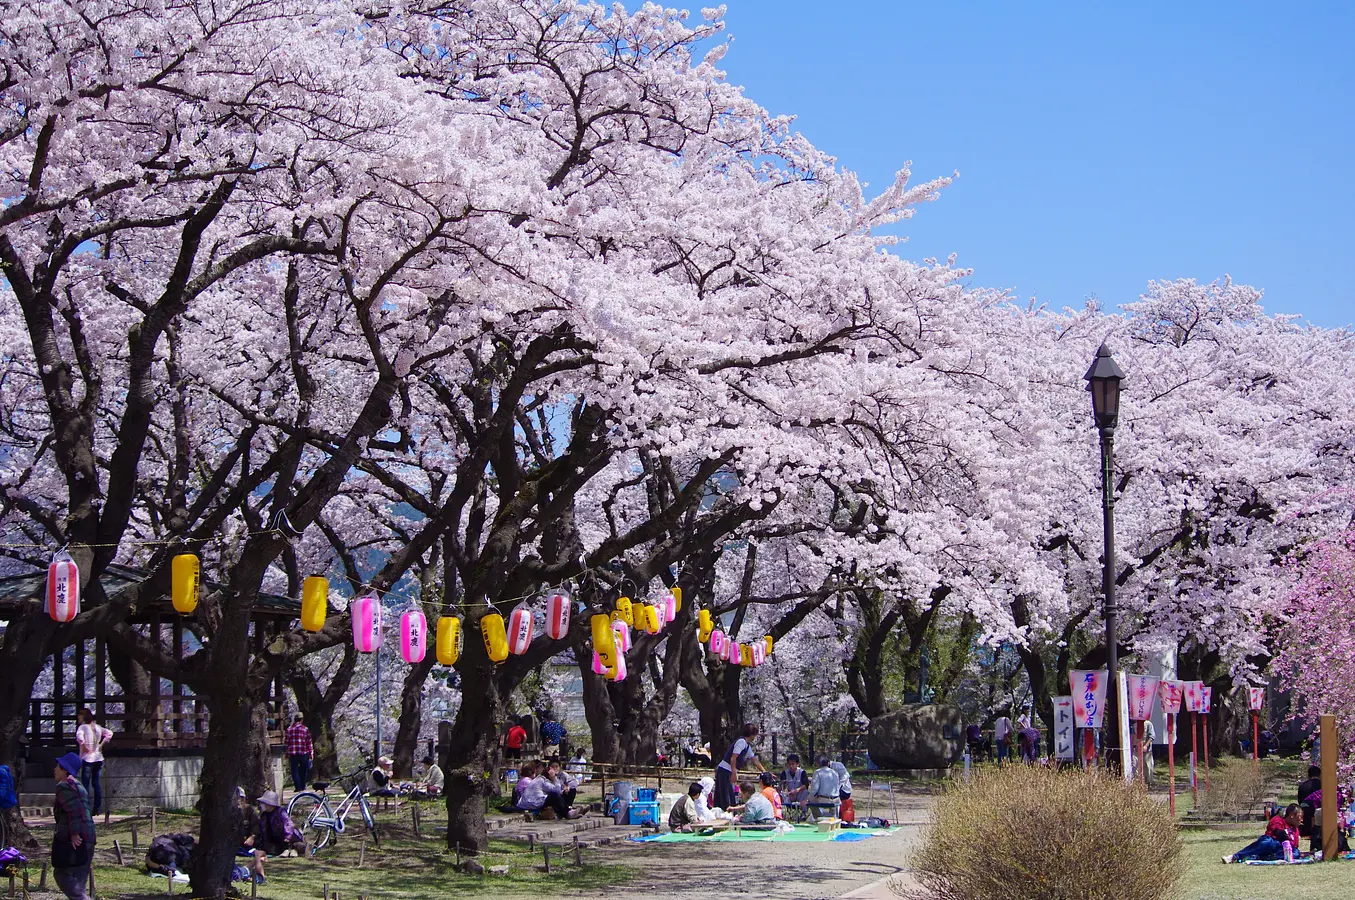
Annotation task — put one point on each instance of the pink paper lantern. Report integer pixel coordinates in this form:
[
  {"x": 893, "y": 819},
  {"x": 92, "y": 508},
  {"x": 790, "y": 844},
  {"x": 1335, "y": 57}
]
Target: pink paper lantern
[
  {"x": 622, "y": 631},
  {"x": 367, "y": 624},
  {"x": 717, "y": 643},
  {"x": 557, "y": 615},
  {"x": 598, "y": 667},
  {"x": 413, "y": 636},
  {"x": 63, "y": 588},
  {"x": 620, "y": 667},
  {"x": 668, "y": 606},
  {"x": 759, "y": 653},
  {"x": 732, "y": 652},
  {"x": 519, "y": 630}
]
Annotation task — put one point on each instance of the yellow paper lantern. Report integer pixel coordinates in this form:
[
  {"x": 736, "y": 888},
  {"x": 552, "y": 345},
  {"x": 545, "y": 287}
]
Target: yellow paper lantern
[
  {"x": 677, "y": 595},
  {"x": 705, "y": 623},
  {"x": 449, "y": 640},
  {"x": 183, "y": 582},
  {"x": 768, "y": 641},
  {"x": 495, "y": 633},
  {"x": 314, "y": 600},
  {"x": 626, "y": 611},
  {"x": 745, "y": 655},
  {"x": 604, "y": 640},
  {"x": 647, "y": 614}
]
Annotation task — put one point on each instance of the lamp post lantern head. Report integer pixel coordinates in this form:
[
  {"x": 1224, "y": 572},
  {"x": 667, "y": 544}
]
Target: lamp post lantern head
[{"x": 1103, "y": 380}]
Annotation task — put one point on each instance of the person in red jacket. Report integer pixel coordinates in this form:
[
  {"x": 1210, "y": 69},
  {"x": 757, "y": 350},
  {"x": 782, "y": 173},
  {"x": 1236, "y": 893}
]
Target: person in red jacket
[
  {"x": 512, "y": 744},
  {"x": 1270, "y": 846}
]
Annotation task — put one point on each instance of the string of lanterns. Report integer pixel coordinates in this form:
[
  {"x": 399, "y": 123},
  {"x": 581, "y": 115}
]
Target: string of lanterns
[{"x": 611, "y": 633}]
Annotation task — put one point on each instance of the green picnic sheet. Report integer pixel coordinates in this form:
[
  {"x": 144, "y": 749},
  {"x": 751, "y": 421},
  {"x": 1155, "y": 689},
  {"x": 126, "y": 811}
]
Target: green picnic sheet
[{"x": 807, "y": 834}]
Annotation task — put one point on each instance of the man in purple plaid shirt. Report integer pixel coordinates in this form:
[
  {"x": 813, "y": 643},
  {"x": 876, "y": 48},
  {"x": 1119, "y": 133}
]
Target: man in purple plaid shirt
[
  {"x": 73, "y": 839},
  {"x": 299, "y": 751}
]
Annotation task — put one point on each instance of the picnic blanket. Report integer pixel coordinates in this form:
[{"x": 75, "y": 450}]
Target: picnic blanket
[
  {"x": 1279, "y": 862},
  {"x": 807, "y": 835}
]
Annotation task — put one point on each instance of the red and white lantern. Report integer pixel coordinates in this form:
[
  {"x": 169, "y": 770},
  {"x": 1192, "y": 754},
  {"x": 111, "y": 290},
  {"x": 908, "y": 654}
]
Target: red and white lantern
[
  {"x": 557, "y": 615},
  {"x": 1142, "y": 696},
  {"x": 367, "y": 624},
  {"x": 622, "y": 631},
  {"x": 1171, "y": 694},
  {"x": 519, "y": 630},
  {"x": 413, "y": 636},
  {"x": 1256, "y": 698},
  {"x": 63, "y": 588}
]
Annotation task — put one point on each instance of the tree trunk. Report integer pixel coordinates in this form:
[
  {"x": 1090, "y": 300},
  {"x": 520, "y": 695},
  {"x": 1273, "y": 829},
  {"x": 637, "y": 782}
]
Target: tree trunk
[
  {"x": 472, "y": 754},
  {"x": 24, "y": 653},
  {"x": 134, "y": 680},
  {"x": 597, "y": 708},
  {"x": 411, "y": 716},
  {"x": 224, "y": 763}
]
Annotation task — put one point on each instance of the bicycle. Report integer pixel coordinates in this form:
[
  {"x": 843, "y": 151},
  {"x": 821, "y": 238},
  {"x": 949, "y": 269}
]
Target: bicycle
[{"x": 320, "y": 823}]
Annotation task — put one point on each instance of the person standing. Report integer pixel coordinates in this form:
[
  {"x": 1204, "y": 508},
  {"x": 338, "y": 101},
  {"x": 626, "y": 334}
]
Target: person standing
[
  {"x": 740, "y": 754},
  {"x": 1002, "y": 734},
  {"x": 1149, "y": 763},
  {"x": 90, "y": 736},
  {"x": 512, "y": 744},
  {"x": 73, "y": 839},
  {"x": 300, "y": 751}
]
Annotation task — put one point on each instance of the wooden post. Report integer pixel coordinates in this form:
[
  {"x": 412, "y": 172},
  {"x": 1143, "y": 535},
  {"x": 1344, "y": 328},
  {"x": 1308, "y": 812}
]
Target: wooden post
[
  {"x": 253, "y": 886},
  {"x": 416, "y": 818},
  {"x": 1205, "y": 726},
  {"x": 531, "y": 843},
  {"x": 169, "y": 883},
  {"x": 545, "y": 849},
  {"x": 133, "y": 835},
  {"x": 25, "y": 882},
  {"x": 154, "y": 829},
  {"x": 578, "y": 852},
  {"x": 1194, "y": 755},
  {"x": 42, "y": 879},
  {"x": 12, "y": 885},
  {"x": 362, "y": 854},
  {"x": 1331, "y": 814},
  {"x": 117, "y": 848},
  {"x": 326, "y": 890},
  {"x": 458, "y": 854},
  {"x": 92, "y": 891},
  {"x": 101, "y": 684},
  {"x": 1256, "y": 739},
  {"x": 1138, "y": 752}
]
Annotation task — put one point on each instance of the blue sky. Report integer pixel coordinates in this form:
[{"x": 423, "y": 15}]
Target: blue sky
[{"x": 1098, "y": 145}]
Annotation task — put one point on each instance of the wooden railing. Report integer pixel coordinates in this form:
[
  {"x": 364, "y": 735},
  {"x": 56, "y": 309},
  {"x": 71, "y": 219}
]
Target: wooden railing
[{"x": 137, "y": 721}]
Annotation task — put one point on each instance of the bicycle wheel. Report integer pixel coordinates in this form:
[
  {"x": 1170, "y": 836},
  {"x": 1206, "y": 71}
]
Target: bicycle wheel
[
  {"x": 311, "y": 814},
  {"x": 370, "y": 821}
]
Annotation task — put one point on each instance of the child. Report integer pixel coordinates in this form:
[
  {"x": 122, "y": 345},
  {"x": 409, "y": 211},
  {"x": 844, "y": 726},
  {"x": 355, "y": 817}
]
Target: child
[
  {"x": 769, "y": 791},
  {"x": 683, "y": 814}
]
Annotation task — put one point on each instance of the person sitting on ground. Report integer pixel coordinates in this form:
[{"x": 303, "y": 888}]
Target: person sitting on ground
[
  {"x": 683, "y": 815},
  {"x": 433, "y": 779},
  {"x": 565, "y": 782},
  {"x": 824, "y": 788},
  {"x": 539, "y": 792},
  {"x": 382, "y": 777},
  {"x": 1307, "y": 788},
  {"x": 794, "y": 783},
  {"x": 706, "y": 811},
  {"x": 270, "y": 832},
  {"x": 768, "y": 782},
  {"x": 757, "y": 809},
  {"x": 1270, "y": 846}
]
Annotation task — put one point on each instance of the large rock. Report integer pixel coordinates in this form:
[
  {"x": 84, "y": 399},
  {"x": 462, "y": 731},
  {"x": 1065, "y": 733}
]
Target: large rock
[{"x": 918, "y": 736}]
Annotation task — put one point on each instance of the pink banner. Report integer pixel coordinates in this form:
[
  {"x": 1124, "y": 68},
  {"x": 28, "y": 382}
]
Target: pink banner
[
  {"x": 1194, "y": 695},
  {"x": 1256, "y": 698},
  {"x": 1141, "y": 696},
  {"x": 1171, "y": 693},
  {"x": 1089, "y": 697}
]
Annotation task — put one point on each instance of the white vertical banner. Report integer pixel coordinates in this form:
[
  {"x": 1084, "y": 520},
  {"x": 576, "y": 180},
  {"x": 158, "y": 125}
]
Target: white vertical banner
[
  {"x": 1126, "y": 735},
  {"x": 1064, "y": 735}
]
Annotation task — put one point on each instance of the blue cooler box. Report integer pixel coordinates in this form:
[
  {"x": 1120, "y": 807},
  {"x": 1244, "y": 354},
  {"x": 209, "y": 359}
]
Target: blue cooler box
[{"x": 643, "y": 813}]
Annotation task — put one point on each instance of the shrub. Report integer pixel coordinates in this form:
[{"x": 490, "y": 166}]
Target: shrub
[
  {"x": 1027, "y": 833},
  {"x": 1237, "y": 787}
]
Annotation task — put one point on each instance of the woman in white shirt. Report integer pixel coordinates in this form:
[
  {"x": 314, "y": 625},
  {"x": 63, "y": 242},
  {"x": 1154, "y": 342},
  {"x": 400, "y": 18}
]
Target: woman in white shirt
[{"x": 91, "y": 737}]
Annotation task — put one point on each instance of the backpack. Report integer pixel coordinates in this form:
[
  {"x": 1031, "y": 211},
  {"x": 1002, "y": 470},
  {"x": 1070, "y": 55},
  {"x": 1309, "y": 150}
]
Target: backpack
[{"x": 8, "y": 798}]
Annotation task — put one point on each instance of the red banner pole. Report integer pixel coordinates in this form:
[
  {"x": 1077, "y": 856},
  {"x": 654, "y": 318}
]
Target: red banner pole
[
  {"x": 1205, "y": 725},
  {"x": 1194, "y": 755},
  {"x": 1171, "y": 765},
  {"x": 1256, "y": 738},
  {"x": 1138, "y": 752}
]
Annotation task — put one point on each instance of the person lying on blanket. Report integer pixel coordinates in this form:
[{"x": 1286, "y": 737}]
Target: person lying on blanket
[{"x": 1270, "y": 846}]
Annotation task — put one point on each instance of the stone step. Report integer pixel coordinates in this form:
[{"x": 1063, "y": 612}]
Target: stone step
[{"x": 30, "y": 798}]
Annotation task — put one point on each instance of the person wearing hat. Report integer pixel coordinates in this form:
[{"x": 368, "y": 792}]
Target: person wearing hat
[
  {"x": 73, "y": 840},
  {"x": 272, "y": 833}
]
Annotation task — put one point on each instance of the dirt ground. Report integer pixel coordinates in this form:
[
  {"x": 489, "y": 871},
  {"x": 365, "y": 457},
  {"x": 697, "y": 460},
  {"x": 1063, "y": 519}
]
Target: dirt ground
[{"x": 777, "y": 871}]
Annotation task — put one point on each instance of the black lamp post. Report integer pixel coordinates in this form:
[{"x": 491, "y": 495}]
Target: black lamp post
[{"x": 1103, "y": 380}]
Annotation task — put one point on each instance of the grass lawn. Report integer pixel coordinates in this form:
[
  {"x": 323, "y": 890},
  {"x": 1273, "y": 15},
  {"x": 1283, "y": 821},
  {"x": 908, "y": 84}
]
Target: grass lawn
[
  {"x": 404, "y": 867},
  {"x": 1209, "y": 879}
]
